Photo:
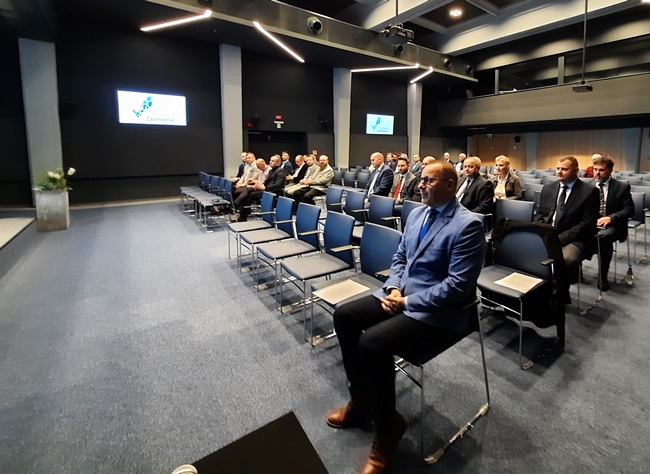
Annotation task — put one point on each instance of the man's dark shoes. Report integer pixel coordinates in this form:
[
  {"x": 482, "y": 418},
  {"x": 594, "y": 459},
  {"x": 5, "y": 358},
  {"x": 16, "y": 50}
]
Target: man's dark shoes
[
  {"x": 603, "y": 284},
  {"x": 353, "y": 415},
  {"x": 385, "y": 445}
]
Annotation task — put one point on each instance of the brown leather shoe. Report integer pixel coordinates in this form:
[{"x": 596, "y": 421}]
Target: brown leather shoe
[
  {"x": 353, "y": 415},
  {"x": 385, "y": 445}
]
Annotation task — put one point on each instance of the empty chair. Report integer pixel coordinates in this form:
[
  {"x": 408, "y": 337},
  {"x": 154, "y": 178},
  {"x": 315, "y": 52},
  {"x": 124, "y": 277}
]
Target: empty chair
[
  {"x": 380, "y": 212},
  {"x": 338, "y": 256},
  {"x": 407, "y": 207},
  {"x": 266, "y": 211},
  {"x": 334, "y": 199},
  {"x": 548, "y": 179},
  {"x": 527, "y": 180},
  {"x": 518, "y": 210},
  {"x": 307, "y": 241},
  {"x": 354, "y": 206},
  {"x": 338, "y": 177},
  {"x": 283, "y": 229},
  {"x": 362, "y": 179},
  {"x": 522, "y": 250},
  {"x": 378, "y": 246},
  {"x": 529, "y": 192},
  {"x": 350, "y": 179}
]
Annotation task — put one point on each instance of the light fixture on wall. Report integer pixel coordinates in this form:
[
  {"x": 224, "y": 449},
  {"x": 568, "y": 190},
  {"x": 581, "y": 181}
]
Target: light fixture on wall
[
  {"x": 182, "y": 21},
  {"x": 277, "y": 41},
  {"x": 391, "y": 68},
  {"x": 413, "y": 81}
]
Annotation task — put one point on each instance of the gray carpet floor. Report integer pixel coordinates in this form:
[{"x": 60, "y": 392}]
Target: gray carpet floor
[{"x": 131, "y": 343}]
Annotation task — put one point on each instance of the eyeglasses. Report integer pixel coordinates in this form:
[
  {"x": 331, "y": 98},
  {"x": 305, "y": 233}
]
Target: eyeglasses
[{"x": 428, "y": 181}]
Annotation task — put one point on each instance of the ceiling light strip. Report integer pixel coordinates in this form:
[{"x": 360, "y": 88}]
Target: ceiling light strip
[
  {"x": 277, "y": 41},
  {"x": 167, "y": 24},
  {"x": 413, "y": 81},
  {"x": 395, "y": 68}
]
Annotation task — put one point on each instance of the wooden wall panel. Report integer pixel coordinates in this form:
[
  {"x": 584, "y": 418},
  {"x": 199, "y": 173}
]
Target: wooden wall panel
[{"x": 487, "y": 149}]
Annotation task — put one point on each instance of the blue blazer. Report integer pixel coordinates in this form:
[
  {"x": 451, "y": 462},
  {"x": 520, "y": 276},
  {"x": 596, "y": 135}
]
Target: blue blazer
[
  {"x": 384, "y": 181},
  {"x": 438, "y": 275}
]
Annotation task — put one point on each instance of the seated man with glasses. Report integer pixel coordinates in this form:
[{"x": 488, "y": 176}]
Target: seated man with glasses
[{"x": 433, "y": 273}]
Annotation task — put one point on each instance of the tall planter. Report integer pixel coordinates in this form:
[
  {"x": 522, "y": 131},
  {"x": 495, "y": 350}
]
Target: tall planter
[{"x": 52, "y": 210}]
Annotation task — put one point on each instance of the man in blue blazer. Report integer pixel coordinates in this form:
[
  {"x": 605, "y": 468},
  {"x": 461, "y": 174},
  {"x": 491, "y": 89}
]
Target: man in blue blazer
[
  {"x": 432, "y": 276},
  {"x": 381, "y": 179}
]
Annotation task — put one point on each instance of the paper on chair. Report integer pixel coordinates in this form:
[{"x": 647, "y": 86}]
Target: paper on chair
[
  {"x": 517, "y": 281},
  {"x": 338, "y": 292}
]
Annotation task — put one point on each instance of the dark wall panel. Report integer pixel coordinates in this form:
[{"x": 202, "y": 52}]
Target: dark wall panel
[
  {"x": 14, "y": 163},
  {"x": 92, "y": 65},
  {"x": 301, "y": 94},
  {"x": 376, "y": 95}
]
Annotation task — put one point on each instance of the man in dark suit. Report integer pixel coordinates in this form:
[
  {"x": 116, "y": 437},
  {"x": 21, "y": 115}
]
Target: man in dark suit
[
  {"x": 286, "y": 165},
  {"x": 433, "y": 274},
  {"x": 571, "y": 206},
  {"x": 381, "y": 179},
  {"x": 404, "y": 185},
  {"x": 273, "y": 182},
  {"x": 299, "y": 172},
  {"x": 240, "y": 170},
  {"x": 474, "y": 191},
  {"x": 616, "y": 207}
]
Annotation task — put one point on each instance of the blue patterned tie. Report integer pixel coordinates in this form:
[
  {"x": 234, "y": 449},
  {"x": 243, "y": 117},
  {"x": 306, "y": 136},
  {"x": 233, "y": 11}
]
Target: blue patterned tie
[{"x": 426, "y": 225}]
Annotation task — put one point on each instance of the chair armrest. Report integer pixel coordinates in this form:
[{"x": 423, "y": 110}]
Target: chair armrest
[
  {"x": 547, "y": 262},
  {"x": 358, "y": 210},
  {"x": 343, "y": 248},
  {"x": 383, "y": 273},
  {"x": 390, "y": 218},
  {"x": 336, "y": 204},
  {"x": 265, "y": 212},
  {"x": 311, "y": 232},
  {"x": 284, "y": 222}
]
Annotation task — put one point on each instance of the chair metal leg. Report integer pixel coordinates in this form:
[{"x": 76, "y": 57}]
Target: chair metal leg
[{"x": 600, "y": 286}]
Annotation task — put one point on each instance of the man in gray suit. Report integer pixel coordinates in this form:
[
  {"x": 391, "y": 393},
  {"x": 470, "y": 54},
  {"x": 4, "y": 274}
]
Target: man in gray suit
[
  {"x": 317, "y": 182},
  {"x": 416, "y": 165},
  {"x": 432, "y": 276}
]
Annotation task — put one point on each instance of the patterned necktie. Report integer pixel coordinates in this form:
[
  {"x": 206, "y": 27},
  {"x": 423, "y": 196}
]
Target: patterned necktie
[
  {"x": 603, "y": 209},
  {"x": 561, "y": 201},
  {"x": 463, "y": 188},
  {"x": 426, "y": 225}
]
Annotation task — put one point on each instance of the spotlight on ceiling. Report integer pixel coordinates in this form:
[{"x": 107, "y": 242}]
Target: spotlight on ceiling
[
  {"x": 455, "y": 13},
  {"x": 469, "y": 69},
  {"x": 446, "y": 62},
  {"x": 398, "y": 49}
]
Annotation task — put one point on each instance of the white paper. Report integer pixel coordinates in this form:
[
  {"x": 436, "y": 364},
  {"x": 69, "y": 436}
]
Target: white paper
[
  {"x": 340, "y": 291},
  {"x": 517, "y": 281}
]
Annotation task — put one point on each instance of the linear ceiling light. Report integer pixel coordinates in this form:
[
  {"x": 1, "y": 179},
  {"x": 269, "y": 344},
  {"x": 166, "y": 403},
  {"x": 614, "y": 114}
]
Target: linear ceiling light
[
  {"x": 277, "y": 41},
  {"x": 413, "y": 81},
  {"x": 395, "y": 68},
  {"x": 167, "y": 24}
]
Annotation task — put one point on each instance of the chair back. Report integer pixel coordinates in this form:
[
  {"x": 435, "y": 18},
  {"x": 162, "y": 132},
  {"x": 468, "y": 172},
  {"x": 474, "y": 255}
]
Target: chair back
[
  {"x": 338, "y": 177},
  {"x": 354, "y": 202},
  {"x": 380, "y": 207},
  {"x": 548, "y": 179},
  {"x": 587, "y": 180},
  {"x": 640, "y": 189},
  {"x": 526, "y": 180},
  {"x": 639, "y": 213},
  {"x": 523, "y": 249},
  {"x": 338, "y": 232},
  {"x": 227, "y": 190},
  {"x": 517, "y": 210},
  {"x": 205, "y": 182},
  {"x": 362, "y": 179},
  {"x": 283, "y": 215},
  {"x": 266, "y": 206},
  {"x": 214, "y": 184},
  {"x": 529, "y": 193},
  {"x": 407, "y": 207},
  {"x": 333, "y": 199},
  {"x": 307, "y": 218},
  {"x": 378, "y": 245},
  {"x": 349, "y": 178}
]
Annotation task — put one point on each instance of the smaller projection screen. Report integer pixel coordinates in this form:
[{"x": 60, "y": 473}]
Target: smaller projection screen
[
  {"x": 379, "y": 124},
  {"x": 144, "y": 108}
]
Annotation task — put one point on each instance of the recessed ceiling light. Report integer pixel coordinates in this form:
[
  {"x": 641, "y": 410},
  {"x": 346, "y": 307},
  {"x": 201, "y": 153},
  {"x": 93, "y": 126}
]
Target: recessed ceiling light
[
  {"x": 455, "y": 13},
  {"x": 167, "y": 24}
]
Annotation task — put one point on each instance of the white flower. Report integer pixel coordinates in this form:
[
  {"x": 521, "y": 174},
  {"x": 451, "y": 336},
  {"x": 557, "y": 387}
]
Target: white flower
[
  {"x": 71, "y": 171},
  {"x": 52, "y": 174}
]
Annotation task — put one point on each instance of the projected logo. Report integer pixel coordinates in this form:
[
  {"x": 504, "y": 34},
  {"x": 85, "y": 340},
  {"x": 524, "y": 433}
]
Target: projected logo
[{"x": 151, "y": 109}]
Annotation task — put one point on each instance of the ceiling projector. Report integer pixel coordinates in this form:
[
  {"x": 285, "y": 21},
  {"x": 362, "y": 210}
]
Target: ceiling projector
[{"x": 397, "y": 34}]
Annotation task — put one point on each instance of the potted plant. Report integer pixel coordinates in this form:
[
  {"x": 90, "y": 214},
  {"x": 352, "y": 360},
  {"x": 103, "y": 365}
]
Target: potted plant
[{"x": 52, "y": 205}]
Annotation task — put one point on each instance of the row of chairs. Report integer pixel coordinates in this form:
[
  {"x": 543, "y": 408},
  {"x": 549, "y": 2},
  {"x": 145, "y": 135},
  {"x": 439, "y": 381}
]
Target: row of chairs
[
  {"x": 209, "y": 191},
  {"x": 333, "y": 255}
]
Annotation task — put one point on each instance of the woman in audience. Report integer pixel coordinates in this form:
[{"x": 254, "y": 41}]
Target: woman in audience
[{"x": 506, "y": 184}]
